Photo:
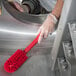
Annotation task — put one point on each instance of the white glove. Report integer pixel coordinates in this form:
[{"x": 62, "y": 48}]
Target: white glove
[{"x": 47, "y": 27}]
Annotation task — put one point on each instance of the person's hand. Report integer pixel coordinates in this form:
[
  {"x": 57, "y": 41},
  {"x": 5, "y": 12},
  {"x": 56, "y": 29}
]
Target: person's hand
[
  {"x": 46, "y": 28},
  {"x": 16, "y": 5}
]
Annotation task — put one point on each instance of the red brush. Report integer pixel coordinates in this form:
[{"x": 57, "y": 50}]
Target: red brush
[{"x": 19, "y": 57}]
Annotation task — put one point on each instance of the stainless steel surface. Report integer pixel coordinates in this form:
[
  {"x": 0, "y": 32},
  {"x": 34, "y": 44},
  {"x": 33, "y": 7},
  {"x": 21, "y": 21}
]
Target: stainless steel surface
[
  {"x": 24, "y": 17},
  {"x": 70, "y": 58},
  {"x": 35, "y": 66},
  {"x": 16, "y": 35},
  {"x": 72, "y": 29},
  {"x": 68, "y": 50},
  {"x": 64, "y": 67},
  {"x": 60, "y": 32},
  {"x": 60, "y": 48}
]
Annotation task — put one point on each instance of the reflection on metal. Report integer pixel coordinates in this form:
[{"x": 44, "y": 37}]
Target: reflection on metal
[
  {"x": 15, "y": 34},
  {"x": 64, "y": 50},
  {"x": 24, "y": 17},
  {"x": 22, "y": 33}
]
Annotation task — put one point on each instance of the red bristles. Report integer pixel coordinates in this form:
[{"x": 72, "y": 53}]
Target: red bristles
[
  {"x": 18, "y": 58},
  {"x": 15, "y": 61}
]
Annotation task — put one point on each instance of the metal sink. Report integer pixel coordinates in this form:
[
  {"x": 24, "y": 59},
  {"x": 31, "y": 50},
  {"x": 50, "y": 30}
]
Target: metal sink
[{"x": 14, "y": 35}]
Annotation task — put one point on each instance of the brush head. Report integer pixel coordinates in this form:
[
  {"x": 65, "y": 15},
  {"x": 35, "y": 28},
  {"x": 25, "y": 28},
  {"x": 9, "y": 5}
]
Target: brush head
[{"x": 15, "y": 61}]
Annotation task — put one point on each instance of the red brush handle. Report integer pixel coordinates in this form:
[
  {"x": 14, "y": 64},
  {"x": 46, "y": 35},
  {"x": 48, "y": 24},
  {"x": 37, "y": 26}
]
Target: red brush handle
[{"x": 32, "y": 44}]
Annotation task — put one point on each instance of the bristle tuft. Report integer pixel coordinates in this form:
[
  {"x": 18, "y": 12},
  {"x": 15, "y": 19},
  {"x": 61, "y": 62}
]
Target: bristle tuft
[{"x": 15, "y": 61}]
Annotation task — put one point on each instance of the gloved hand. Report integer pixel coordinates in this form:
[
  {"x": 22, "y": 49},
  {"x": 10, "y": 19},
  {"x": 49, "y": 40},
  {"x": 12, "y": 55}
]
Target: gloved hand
[{"x": 47, "y": 27}]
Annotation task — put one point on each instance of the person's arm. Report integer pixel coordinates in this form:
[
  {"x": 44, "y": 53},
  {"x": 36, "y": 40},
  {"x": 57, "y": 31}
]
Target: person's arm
[
  {"x": 49, "y": 23},
  {"x": 58, "y": 8}
]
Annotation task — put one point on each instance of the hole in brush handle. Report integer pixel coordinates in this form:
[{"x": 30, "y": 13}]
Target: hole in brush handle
[{"x": 32, "y": 44}]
